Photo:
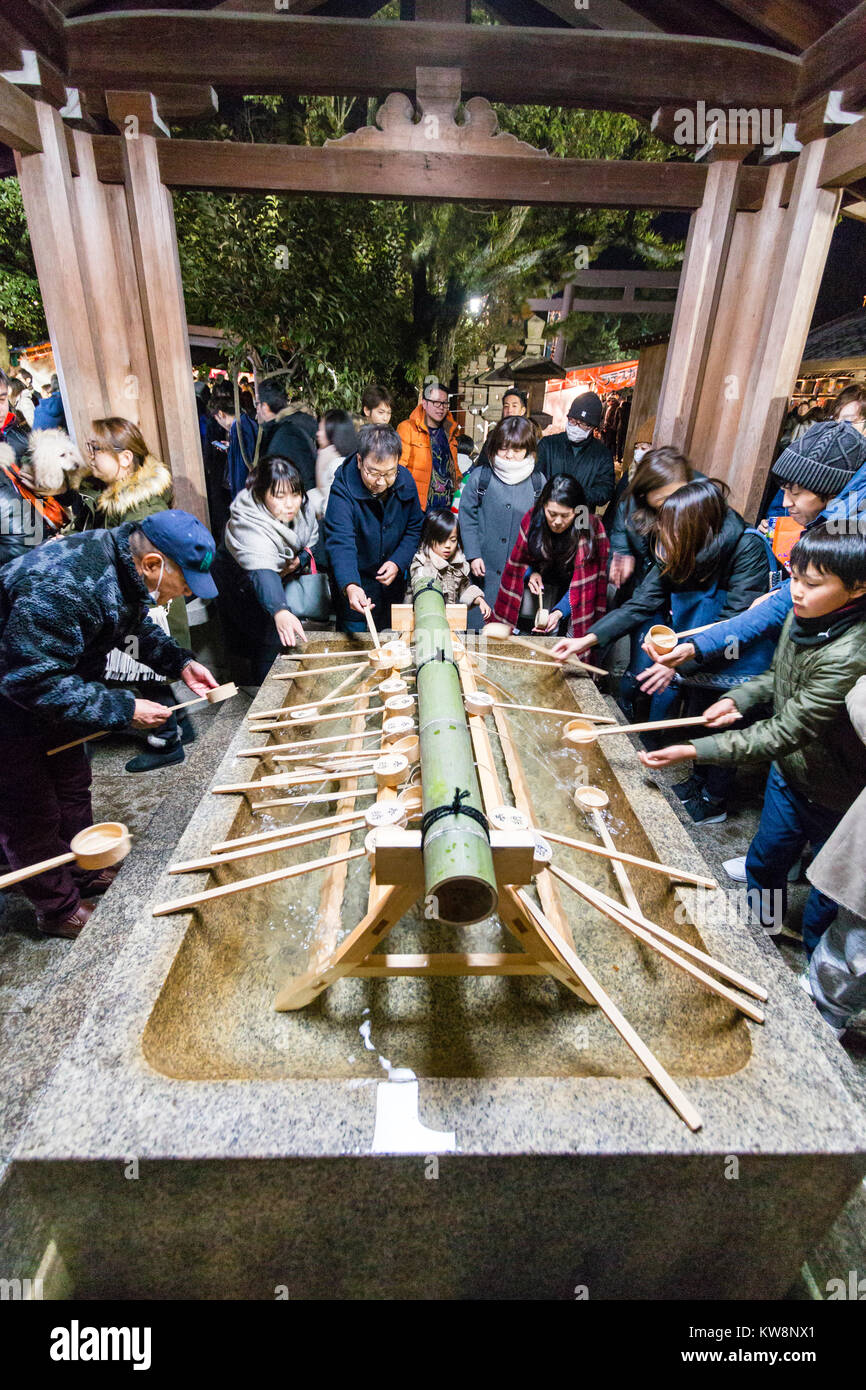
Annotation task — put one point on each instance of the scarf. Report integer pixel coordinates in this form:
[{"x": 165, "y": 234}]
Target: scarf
[
  {"x": 48, "y": 507},
  {"x": 513, "y": 471},
  {"x": 258, "y": 541},
  {"x": 815, "y": 632}
]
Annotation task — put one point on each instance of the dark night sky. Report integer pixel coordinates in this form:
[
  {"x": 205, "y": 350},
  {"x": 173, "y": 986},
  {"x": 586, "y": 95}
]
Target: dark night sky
[{"x": 843, "y": 286}]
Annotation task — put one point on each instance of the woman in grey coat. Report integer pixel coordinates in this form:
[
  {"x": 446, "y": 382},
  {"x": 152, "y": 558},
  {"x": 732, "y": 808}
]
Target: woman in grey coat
[{"x": 495, "y": 498}]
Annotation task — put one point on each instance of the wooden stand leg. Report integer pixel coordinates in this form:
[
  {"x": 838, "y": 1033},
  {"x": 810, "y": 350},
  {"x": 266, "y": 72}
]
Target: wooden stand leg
[{"x": 303, "y": 989}]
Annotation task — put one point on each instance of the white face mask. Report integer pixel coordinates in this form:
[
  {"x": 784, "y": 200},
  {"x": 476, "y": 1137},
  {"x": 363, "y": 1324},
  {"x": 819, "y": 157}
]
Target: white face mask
[
  {"x": 639, "y": 454},
  {"x": 154, "y": 593},
  {"x": 575, "y": 432}
]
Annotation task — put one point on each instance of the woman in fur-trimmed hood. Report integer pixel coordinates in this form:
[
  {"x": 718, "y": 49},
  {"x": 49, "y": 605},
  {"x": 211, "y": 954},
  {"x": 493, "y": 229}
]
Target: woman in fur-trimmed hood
[{"x": 134, "y": 486}]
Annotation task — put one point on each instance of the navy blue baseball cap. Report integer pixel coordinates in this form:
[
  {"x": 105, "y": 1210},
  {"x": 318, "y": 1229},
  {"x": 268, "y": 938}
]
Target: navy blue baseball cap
[{"x": 181, "y": 537}]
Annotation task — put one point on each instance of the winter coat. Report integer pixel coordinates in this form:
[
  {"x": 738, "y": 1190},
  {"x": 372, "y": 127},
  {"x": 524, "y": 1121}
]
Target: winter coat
[
  {"x": 262, "y": 547},
  {"x": 237, "y": 468},
  {"x": 809, "y": 735},
  {"x": 766, "y": 620},
  {"x": 328, "y": 460},
  {"x": 26, "y": 520},
  {"x": 625, "y": 539},
  {"x": 587, "y": 590},
  {"x": 417, "y": 455},
  {"x": 49, "y": 413},
  {"x": 731, "y": 571},
  {"x": 363, "y": 531},
  {"x": 63, "y": 608},
  {"x": 131, "y": 498},
  {"x": 489, "y": 528},
  {"x": 590, "y": 462},
  {"x": 838, "y": 870},
  {"x": 15, "y": 432},
  {"x": 292, "y": 435},
  {"x": 454, "y": 576}
]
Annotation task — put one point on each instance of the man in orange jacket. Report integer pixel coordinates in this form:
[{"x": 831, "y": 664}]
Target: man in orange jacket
[{"x": 430, "y": 448}]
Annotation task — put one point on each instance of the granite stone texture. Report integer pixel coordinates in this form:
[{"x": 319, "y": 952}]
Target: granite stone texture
[{"x": 436, "y": 1138}]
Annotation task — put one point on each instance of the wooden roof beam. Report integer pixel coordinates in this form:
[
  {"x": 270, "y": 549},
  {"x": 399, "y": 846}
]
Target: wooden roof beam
[
  {"x": 19, "y": 126},
  {"x": 845, "y": 157},
  {"x": 230, "y": 166},
  {"x": 287, "y": 53},
  {"x": 792, "y": 22},
  {"x": 835, "y": 63},
  {"x": 41, "y": 26}
]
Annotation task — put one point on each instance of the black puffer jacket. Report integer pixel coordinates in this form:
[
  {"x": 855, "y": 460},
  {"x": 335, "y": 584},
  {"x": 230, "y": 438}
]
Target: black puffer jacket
[
  {"x": 735, "y": 560},
  {"x": 63, "y": 608},
  {"x": 292, "y": 436}
]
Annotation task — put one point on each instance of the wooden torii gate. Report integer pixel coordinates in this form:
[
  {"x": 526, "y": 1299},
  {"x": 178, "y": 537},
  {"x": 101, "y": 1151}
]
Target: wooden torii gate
[{"x": 100, "y": 213}]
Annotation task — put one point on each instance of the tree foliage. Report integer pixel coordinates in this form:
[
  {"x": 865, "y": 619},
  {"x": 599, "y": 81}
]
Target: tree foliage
[{"x": 21, "y": 312}]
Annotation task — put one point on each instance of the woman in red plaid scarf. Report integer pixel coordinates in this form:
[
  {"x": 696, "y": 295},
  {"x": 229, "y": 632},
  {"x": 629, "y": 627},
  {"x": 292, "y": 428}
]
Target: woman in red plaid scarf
[{"x": 559, "y": 562}]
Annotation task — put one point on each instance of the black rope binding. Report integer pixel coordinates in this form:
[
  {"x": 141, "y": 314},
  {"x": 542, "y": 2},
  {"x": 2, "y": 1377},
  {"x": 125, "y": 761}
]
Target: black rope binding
[
  {"x": 455, "y": 808},
  {"x": 431, "y": 584},
  {"x": 438, "y": 655}
]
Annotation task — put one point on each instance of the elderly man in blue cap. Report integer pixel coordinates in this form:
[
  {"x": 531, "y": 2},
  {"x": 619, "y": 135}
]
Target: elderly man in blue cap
[{"x": 63, "y": 607}]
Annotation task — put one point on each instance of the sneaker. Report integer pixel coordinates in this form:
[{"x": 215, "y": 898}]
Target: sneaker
[
  {"x": 149, "y": 762},
  {"x": 736, "y": 869},
  {"x": 704, "y": 811},
  {"x": 690, "y": 789},
  {"x": 68, "y": 926}
]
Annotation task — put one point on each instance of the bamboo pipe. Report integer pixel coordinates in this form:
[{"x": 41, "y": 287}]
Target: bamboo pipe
[
  {"x": 678, "y": 875},
  {"x": 566, "y": 956},
  {"x": 626, "y": 919},
  {"x": 214, "y": 696},
  {"x": 459, "y": 874},
  {"x": 96, "y": 847},
  {"x": 348, "y": 821},
  {"x": 276, "y": 876}
]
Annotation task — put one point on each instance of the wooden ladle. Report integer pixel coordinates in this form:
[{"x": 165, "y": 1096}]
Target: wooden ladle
[
  {"x": 580, "y": 731},
  {"x": 213, "y": 697},
  {"x": 96, "y": 847}
]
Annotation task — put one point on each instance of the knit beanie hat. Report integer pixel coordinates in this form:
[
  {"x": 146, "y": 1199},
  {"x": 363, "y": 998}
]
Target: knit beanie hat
[
  {"x": 587, "y": 409},
  {"x": 824, "y": 459}
]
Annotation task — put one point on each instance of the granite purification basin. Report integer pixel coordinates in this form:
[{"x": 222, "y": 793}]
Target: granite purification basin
[
  {"x": 237, "y": 950},
  {"x": 296, "y": 1150}
]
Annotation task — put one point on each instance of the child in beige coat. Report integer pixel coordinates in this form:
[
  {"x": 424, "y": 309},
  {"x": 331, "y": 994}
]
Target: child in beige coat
[{"x": 440, "y": 557}]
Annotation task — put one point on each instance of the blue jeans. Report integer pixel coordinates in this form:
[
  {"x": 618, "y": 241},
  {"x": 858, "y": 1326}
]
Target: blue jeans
[{"x": 789, "y": 821}]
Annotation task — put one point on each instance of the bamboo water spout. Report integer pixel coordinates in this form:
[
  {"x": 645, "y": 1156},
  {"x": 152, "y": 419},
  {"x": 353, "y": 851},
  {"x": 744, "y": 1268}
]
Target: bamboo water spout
[{"x": 458, "y": 865}]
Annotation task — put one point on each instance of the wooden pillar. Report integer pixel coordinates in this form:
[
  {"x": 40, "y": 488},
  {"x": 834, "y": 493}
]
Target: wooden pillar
[
  {"x": 697, "y": 302},
  {"x": 736, "y": 342},
  {"x": 154, "y": 245},
  {"x": 794, "y": 276},
  {"x": 55, "y": 234},
  {"x": 116, "y": 320}
]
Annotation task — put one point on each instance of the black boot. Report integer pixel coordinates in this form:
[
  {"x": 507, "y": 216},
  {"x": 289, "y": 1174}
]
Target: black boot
[{"x": 167, "y": 756}]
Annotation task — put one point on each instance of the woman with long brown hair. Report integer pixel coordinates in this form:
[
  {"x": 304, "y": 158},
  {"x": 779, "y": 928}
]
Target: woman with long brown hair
[{"x": 707, "y": 565}]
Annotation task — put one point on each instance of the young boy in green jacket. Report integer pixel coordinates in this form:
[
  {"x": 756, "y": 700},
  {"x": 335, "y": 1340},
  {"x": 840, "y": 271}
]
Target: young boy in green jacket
[{"x": 818, "y": 762}]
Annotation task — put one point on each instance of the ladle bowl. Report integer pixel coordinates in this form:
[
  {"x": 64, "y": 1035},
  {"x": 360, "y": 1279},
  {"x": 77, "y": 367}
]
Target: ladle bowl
[
  {"x": 662, "y": 637},
  {"x": 101, "y": 845},
  {"x": 578, "y": 732}
]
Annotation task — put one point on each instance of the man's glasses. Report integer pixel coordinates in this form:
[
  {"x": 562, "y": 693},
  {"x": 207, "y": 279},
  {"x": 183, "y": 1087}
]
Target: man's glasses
[
  {"x": 379, "y": 477},
  {"x": 438, "y": 405}
]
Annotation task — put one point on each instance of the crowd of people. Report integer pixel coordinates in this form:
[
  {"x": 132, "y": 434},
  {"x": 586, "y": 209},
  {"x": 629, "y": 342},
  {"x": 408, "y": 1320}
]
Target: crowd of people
[{"x": 323, "y": 518}]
